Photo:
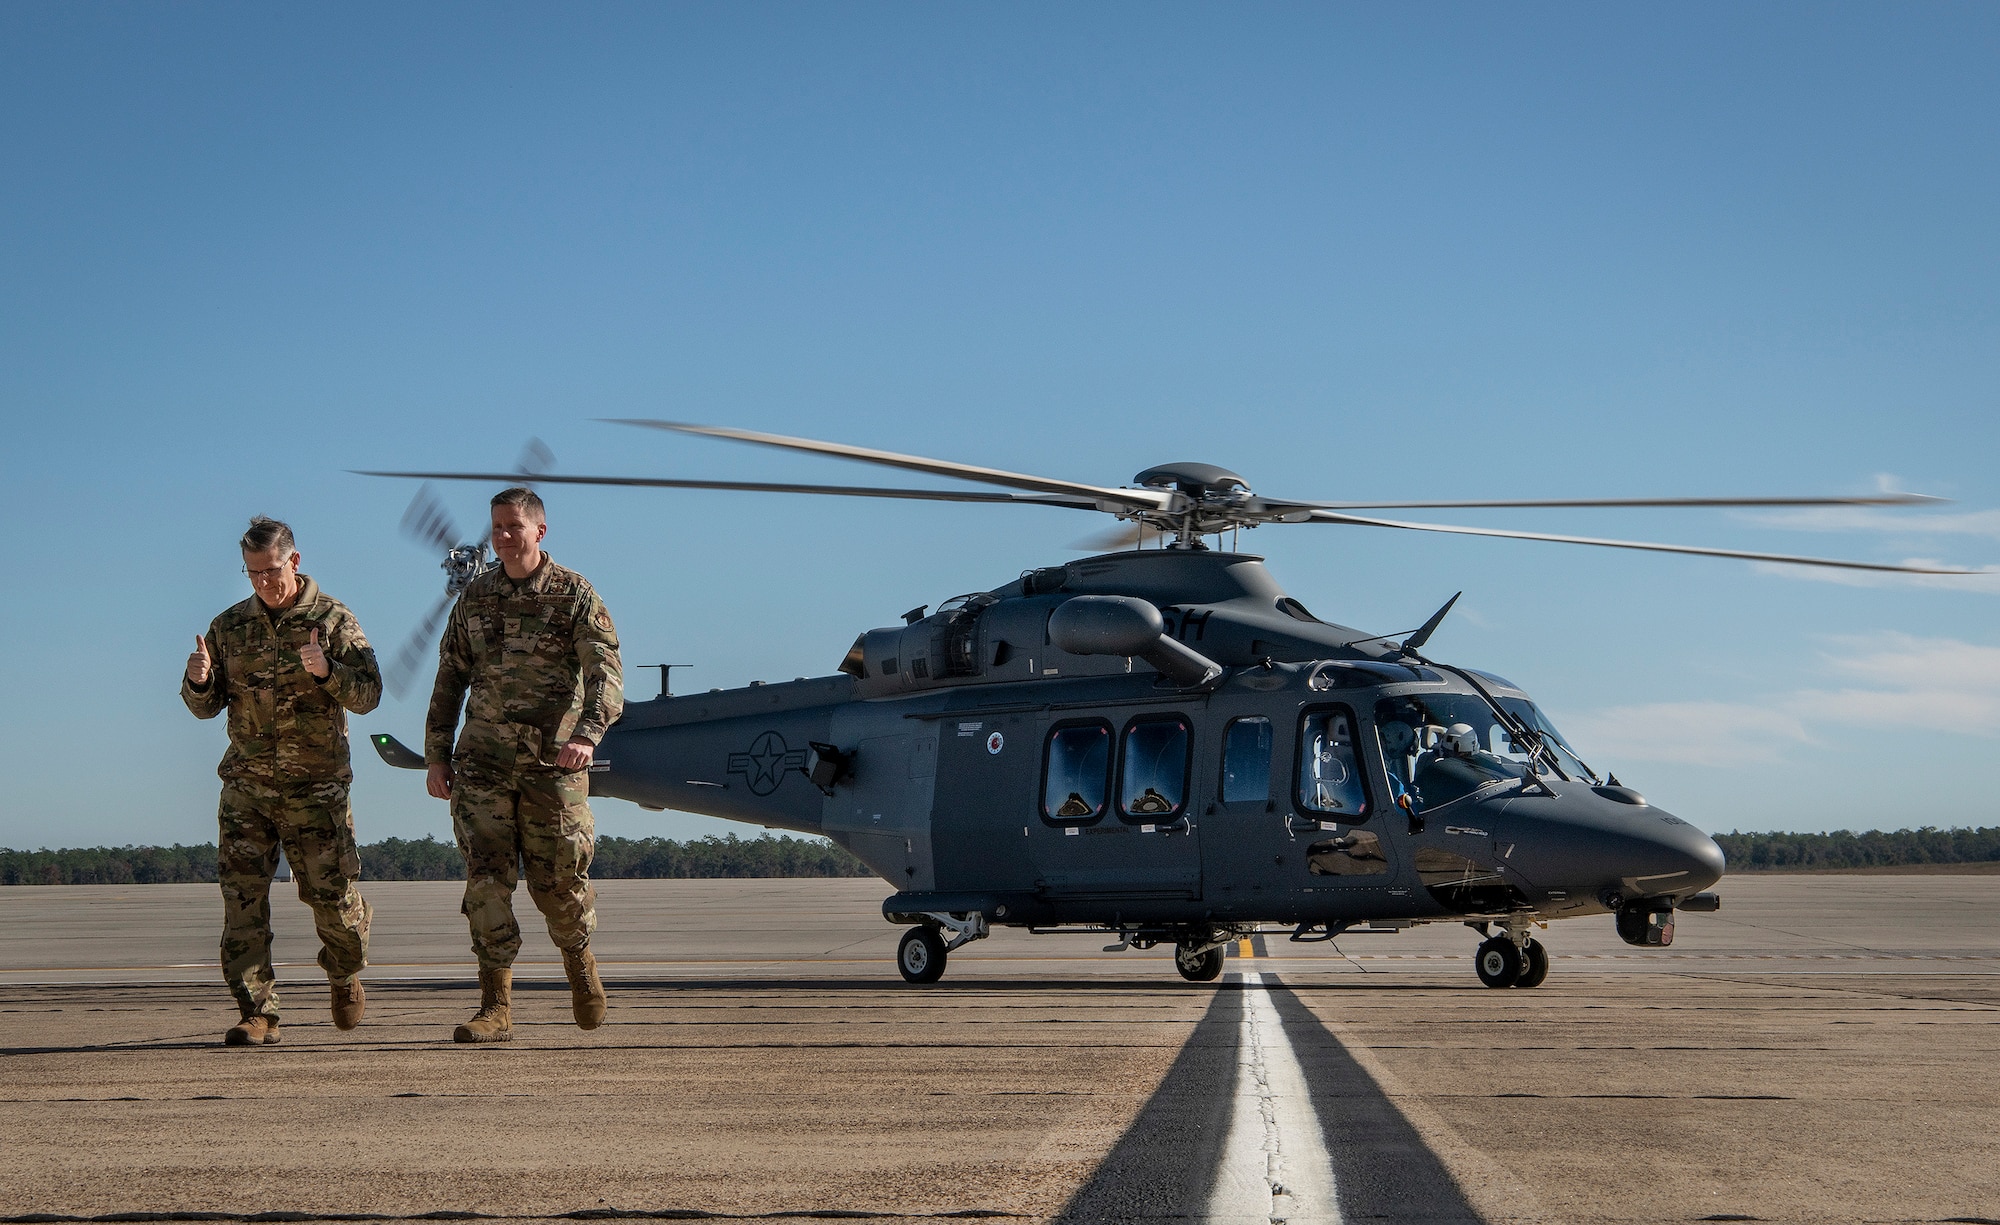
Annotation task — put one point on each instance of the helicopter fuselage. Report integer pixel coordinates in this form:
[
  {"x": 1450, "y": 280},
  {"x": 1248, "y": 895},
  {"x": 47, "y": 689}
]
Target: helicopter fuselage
[{"x": 1003, "y": 759}]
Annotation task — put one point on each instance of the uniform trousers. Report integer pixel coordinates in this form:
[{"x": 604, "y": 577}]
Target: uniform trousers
[
  {"x": 508, "y": 821},
  {"x": 315, "y": 826}
]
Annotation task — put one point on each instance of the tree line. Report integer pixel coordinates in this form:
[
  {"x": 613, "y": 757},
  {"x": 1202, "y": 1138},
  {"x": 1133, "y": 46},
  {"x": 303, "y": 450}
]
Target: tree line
[
  {"x": 785, "y": 856},
  {"x": 1845, "y": 849},
  {"x": 428, "y": 859}
]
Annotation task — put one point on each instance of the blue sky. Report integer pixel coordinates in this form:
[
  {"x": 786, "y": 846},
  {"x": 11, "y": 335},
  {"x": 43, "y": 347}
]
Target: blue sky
[{"x": 1348, "y": 251}]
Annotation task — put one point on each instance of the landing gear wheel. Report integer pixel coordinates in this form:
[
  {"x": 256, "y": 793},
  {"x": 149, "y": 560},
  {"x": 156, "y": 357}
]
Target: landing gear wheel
[
  {"x": 1204, "y": 967},
  {"x": 1498, "y": 962},
  {"x": 1535, "y": 967},
  {"x": 921, "y": 955}
]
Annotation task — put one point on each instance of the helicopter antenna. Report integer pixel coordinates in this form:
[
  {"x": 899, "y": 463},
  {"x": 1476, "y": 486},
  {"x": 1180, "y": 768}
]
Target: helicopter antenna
[
  {"x": 666, "y": 677},
  {"x": 1416, "y": 641}
]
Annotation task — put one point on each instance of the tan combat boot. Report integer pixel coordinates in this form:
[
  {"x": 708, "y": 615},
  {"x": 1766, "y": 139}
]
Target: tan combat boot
[
  {"x": 586, "y": 992},
  {"x": 349, "y": 1002},
  {"x": 494, "y": 1022},
  {"x": 252, "y": 1031}
]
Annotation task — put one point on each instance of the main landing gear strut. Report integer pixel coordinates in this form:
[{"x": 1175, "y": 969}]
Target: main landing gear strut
[{"x": 1514, "y": 958}]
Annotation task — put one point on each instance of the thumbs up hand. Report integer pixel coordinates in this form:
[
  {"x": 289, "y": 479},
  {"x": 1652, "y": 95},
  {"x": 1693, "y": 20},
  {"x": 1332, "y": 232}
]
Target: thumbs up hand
[
  {"x": 199, "y": 666},
  {"x": 314, "y": 658}
]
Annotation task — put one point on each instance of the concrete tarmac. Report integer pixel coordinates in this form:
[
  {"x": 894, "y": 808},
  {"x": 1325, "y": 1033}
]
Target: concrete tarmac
[{"x": 1823, "y": 1049}]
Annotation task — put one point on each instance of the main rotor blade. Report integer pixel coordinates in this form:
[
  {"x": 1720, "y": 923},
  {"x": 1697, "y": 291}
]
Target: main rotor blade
[
  {"x": 403, "y": 669},
  {"x": 428, "y": 521},
  {"x": 536, "y": 460},
  {"x": 1878, "y": 499},
  {"x": 1149, "y": 499},
  {"x": 852, "y": 491},
  {"x": 1327, "y": 516}
]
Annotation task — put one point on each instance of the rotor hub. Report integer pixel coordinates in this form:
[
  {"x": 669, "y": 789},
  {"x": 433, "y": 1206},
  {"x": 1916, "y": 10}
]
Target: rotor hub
[{"x": 1212, "y": 500}]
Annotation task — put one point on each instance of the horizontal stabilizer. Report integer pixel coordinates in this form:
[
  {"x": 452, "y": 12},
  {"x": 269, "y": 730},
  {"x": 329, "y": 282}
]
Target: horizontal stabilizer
[{"x": 396, "y": 753}]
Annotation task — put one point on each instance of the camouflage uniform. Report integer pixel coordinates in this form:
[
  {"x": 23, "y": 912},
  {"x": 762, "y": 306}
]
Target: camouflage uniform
[
  {"x": 540, "y": 658},
  {"x": 284, "y": 781}
]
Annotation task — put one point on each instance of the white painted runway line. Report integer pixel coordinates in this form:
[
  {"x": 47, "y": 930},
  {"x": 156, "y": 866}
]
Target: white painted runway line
[{"x": 1274, "y": 1166}]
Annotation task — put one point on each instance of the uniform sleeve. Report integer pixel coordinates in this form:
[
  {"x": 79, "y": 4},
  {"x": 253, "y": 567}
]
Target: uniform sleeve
[
  {"x": 352, "y": 677},
  {"x": 209, "y": 700},
  {"x": 603, "y": 678},
  {"x": 453, "y": 676}
]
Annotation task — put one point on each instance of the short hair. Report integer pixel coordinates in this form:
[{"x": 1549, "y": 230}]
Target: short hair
[
  {"x": 527, "y": 499},
  {"x": 266, "y": 534}
]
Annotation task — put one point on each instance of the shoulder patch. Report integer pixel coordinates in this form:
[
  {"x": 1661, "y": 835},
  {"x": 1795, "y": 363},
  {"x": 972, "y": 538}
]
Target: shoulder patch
[{"x": 603, "y": 620}]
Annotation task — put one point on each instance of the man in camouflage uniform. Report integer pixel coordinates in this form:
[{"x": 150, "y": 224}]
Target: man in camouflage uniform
[
  {"x": 287, "y": 664},
  {"x": 536, "y": 648}
]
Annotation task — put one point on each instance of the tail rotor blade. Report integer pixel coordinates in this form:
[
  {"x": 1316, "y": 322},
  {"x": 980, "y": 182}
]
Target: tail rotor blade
[
  {"x": 428, "y": 521},
  {"x": 403, "y": 669}
]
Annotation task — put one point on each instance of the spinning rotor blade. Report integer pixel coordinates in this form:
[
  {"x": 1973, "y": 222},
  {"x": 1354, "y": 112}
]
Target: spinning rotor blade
[
  {"x": 403, "y": 669},
  {"x": 429, "y": 522},
  {"x": 1148, "y": 499},
  {"x": 852, "y": 491},
  {"x": 1327, "y": 516},
  {"x": 536, "y": 460},
  {"x": 1878, "y": 499}
]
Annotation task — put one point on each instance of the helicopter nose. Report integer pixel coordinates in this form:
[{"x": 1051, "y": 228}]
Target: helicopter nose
[
  {"x": 1705, "y": 859},
  {"x": 1680, "y": 859},
  {"x": 1600, "y": 847}
]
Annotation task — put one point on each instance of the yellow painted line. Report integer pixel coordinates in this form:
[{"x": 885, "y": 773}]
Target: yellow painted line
[{"x": 1245, "y": 949}]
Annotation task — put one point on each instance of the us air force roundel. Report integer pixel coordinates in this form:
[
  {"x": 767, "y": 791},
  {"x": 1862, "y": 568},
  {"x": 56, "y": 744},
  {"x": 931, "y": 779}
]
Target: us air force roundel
[{"x": 764, "y": 763}]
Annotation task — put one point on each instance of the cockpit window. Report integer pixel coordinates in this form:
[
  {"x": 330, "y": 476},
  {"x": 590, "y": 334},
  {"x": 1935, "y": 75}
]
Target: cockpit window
[
  {"x": 1443, "y": 747},
  {"x": 1531, "y": 716},
  {"x": 1078, "y": 773},
  {"x": 1329, "y": 769},
  {"x": 1153, "y": 784}
]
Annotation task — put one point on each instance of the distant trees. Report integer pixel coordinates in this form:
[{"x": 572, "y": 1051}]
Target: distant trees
[
  {"x": 635, "y": 858},
  {"x": 731, "y": 857},
  {"x": 428, "y": 859},
  {"x": 122, "y": 865},
  {"x": 1874, "y": 849}
]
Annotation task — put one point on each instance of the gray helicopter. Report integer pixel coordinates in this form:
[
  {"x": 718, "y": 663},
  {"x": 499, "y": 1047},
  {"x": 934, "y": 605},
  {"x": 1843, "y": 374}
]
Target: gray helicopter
[{"x": 1161, "y": 744}]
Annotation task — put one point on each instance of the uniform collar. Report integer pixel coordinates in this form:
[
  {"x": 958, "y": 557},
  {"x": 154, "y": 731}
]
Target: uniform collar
[
  {"x": 308, "y": 596},
  {"x": 534, "y": 583}
]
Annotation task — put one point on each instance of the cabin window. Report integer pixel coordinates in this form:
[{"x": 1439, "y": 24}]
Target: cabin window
[
  {"x": 1078, "y": 773},
  {"x": 1246, "y": 760},
  {"x": 1153, "y": 785},
  {"x": 1329, "y": 770}
]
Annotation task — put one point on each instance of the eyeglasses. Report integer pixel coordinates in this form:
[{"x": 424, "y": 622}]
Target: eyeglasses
[{"x": 259, "y": 576}]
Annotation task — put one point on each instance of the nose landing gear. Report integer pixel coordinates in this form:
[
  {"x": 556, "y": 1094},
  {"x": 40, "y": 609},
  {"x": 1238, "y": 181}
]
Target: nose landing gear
[
  {"x": 1514, "y": 958},
  {"x": 1537, "y": 967}
]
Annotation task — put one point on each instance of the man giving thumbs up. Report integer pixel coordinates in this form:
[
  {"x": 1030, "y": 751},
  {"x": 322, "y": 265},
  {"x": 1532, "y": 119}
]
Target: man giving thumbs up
[{"x": 287, "y": 664}]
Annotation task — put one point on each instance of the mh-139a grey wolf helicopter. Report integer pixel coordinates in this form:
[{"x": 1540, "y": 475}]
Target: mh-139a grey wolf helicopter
[{"x": 1160, "y": 744}]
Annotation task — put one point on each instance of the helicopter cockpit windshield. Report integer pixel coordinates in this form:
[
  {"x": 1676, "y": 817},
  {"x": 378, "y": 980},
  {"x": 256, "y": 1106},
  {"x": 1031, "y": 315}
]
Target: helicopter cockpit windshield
[
  {"x": 1530, "y": 716},
  {"x": 1440, "y": 748}
]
